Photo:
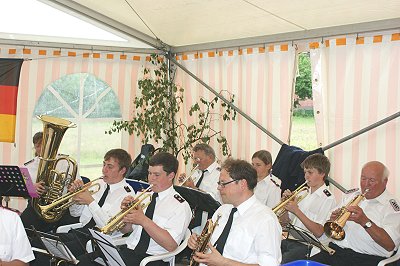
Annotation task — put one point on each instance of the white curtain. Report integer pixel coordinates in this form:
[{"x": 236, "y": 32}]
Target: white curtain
[
  {"x": 356, "y": 82},
  {"x": 261, "y": 80}
]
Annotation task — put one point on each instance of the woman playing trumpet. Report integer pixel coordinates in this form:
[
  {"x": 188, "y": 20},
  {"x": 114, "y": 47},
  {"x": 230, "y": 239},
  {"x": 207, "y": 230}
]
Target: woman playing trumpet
[{"x": 313, "y": 210}]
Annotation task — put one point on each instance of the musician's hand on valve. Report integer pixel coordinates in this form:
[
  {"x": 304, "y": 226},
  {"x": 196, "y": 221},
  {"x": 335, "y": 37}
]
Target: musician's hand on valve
[
  {"x": 211, "y": 258},
  {"x": 192, "y": 243},
  {"x": 292, "y": 207},
  {"x": 83, "y": 198},
  {"x": 181, "y": 178},
  {"x": 40, "y": 188},
  {"x": 135, "y": 216},
  {"x": 286, "y": 194},
  {"x": 75, "y": 185},
  {"x": 335, "y": 214},
  {"x": 357, "y": 215},
  {"x": 126, "y": 201}
]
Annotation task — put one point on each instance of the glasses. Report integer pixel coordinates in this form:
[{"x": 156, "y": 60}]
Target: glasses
[{"x": 223, "y": 184}]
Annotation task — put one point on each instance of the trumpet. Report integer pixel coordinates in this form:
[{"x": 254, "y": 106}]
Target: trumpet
[
  {"x": 204, "y": 238},
  {"x": 195, "y": 167},
  {"x": 116, "y": 223},
  {"x": 334, "y": 229},
  {"x": 66, "y": 200},
  {"x": 280, "y": 210}
]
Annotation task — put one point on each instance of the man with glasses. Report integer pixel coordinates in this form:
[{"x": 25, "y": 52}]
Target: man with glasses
[{"x": 248, "y": 232}]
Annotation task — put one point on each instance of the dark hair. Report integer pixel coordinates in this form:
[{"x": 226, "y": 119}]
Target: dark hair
[
  {"x": 123, "y": 157},
  {"x": 37, "y": 137},
  {"x": 166, "y": 160},
  {"x": 264, "y": 156},
  {"x": 240, "y": 169},
  {"x": 208, "y": 150},
  {"x": 319, "y": 162}
]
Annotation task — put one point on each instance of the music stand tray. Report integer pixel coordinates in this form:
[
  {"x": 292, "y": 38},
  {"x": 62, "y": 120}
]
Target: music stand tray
[
  {"x": 16, "y": 181},
  {"x": 54, "y": 247},
  {"x": 110, "y": 255}
]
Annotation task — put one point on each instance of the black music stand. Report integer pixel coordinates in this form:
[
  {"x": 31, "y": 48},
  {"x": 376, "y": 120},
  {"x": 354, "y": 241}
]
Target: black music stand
[
  {"x": 16, "y": 181},
  {"x": 53, "y": 247},
  {"x": 307, "y": 238},
  {"x": 108, "y": 252},
  {"x": 198, "y": 200}
]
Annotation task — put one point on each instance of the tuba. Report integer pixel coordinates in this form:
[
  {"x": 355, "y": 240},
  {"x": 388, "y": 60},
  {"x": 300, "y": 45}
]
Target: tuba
[
  {"x": 280, "y": 210},
  {"x": 116, "y": 223},
  {"x": 334, "y": 229},
  {"x": 56, "y": 183},
  {"x": 204, "y": 238}
]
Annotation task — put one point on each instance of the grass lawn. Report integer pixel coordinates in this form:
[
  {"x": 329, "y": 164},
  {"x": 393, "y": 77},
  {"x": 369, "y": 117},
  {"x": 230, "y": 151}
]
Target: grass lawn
[{"x": 303, "y": 133}]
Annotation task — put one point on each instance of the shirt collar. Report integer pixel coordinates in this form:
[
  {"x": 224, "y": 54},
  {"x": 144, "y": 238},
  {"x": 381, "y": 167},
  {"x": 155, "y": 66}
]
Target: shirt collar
[
  {"x": 320, "y": 190},
  {"x": 166, "y": 192},
  {"x": 212, "y": 167},
  {"x": 244, "y": 206},
  {"x": 118, "y": 185},
  {"x": 382, "y": 198}
]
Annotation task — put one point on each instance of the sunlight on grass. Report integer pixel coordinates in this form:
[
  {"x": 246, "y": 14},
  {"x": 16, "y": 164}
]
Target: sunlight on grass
[{"x": 304, "y": 133}]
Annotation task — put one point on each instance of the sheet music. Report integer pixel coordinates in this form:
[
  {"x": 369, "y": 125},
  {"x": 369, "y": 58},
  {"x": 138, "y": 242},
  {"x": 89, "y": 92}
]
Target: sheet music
[
  {"x": 28, "y": 182},
  {"x": 57, "y": 249},
  {"x": 109, "y": 251}
]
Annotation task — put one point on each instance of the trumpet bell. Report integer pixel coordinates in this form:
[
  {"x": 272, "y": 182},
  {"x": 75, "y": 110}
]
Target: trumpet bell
[{"x": 334, "y": 231}]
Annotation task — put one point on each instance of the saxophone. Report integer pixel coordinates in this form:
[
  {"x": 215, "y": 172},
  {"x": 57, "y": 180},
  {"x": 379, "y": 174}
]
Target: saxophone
[{"x": 204, "y": 238}]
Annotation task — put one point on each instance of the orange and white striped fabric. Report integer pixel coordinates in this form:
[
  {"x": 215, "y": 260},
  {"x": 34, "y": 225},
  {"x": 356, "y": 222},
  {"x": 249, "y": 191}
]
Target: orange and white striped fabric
[
  {"x": 261, "y": 78},
  {"x": 356, "y": 82}
]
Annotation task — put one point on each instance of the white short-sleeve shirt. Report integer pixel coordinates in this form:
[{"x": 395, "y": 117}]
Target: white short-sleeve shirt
[
  {"x": 210, "y": 180},
  {"x": 268, "y": 191},
  {"x": 14, "y": 243}
]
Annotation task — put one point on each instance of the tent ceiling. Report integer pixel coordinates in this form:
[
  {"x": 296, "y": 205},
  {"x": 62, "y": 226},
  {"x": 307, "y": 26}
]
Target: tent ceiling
[{"x": 189, "y": 24}]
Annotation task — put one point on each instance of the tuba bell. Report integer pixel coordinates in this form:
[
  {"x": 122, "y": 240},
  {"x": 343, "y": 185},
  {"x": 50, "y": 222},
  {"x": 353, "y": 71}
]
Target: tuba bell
[
  {"x": 334, "y": 229},
  {"x": 280, "y": 209},
  {"x": 56, "y": 183}
]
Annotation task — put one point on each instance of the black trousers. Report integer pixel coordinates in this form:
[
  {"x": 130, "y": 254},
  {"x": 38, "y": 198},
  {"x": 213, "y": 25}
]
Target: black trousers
[
  {"x": 346, "y": 257},
  {"x": 129, "y": 256},
  {"x": 30, "y": 218},
  {"x": 294, "y": 250}
]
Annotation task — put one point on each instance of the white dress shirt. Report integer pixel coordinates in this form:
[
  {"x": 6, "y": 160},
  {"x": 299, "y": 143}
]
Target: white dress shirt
[
  {"x": 14, "y": 244},
  {"x": 384, "y": 212},
  {"x": 268, "y": 191},
  {"x": 255, "y": 235},
  {"x": 112, "y": 204},
  {"x": 210, "y": 180},
  {"x": 171, "y": 213},
  {"x": 317, "y": 206}
]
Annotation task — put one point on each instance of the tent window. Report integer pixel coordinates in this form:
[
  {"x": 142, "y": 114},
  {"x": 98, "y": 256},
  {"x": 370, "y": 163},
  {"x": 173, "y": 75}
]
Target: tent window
[{"x": 91, "y": 104}]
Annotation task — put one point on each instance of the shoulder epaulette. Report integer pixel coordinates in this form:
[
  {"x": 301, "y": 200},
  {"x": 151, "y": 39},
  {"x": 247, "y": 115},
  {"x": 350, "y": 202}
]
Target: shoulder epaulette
[
  {"x": 394, "y": 204},
  {"x": 127, "y": 189},
  {"x": 351, "y": 190},
  {"x": 28, "y": 162},
  {"x": 274, "y": 182},
  {"x": 179, "y": 198},
  {"x": 327, "y": 193}
]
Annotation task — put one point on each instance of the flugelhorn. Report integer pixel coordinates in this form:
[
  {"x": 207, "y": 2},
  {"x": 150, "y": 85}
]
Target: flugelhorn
[
  {"x": 280, "y": 209},
  {"x": 116, "y": 223},
  {"x": 204, "y": 238},
  {"x": 66, "y": 200},
  {"x": 334, "y": 229},
  {"x": 195, "y": 167}
]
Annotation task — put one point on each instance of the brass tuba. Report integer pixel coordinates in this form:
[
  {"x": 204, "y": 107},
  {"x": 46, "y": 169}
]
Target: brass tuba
[
  {"x": 116, "y": 222},
  {"x": 55, "y": 182},
  {"x": 334, "y": 229},
  {"x": 280, "y": 210},
  {"x": 204, "y": 238}
]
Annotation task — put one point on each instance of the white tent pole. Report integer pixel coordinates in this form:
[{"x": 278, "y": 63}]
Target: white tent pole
[
  {"x": 251, "y": 120},
  {"x": 368, "y": 128}
]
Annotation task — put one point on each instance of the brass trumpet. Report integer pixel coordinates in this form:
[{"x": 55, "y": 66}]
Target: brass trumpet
[
  {"x": 66, "y": 201},
  {"x": 334, "y": 229},
  {"x": 116, "y": 223},
  {"x": 196, "y": 166},
  {"x": 204, "y": 238},
  {"x": 280, "y": 210}
]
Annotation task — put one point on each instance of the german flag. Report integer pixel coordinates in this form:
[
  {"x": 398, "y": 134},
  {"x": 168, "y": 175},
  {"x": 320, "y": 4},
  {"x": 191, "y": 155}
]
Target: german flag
[{"x": 9, "y": 79}]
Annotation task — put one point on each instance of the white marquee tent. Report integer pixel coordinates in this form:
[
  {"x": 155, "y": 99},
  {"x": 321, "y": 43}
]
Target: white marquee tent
[{"x": 247, "y": 47}]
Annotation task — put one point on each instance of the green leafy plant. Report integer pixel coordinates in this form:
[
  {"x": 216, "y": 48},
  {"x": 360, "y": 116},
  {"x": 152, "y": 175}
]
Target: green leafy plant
[{"x": 156, "y": 108}]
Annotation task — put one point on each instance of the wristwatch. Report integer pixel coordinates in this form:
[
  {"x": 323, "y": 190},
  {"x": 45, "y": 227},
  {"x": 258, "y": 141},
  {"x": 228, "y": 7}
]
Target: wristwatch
[{"x": 367, "y": 225}]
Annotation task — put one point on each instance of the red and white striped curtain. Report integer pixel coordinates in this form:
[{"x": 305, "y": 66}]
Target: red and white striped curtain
[
  {"x": 261, "y": 80},
  {"x": 356, "y": 82}
]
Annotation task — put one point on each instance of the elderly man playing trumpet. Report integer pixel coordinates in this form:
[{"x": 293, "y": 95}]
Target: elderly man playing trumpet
[
  {"x": 163, "y": 225},
  {"x": 372, "y": 230}
]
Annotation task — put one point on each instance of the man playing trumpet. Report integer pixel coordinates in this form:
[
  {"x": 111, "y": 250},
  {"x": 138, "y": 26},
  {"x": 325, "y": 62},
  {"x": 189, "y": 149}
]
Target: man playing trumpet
[
  {"x": 312, "y": 211},
  {"x": 163, "y": 225},
  {"x": 372, "y": 231}
]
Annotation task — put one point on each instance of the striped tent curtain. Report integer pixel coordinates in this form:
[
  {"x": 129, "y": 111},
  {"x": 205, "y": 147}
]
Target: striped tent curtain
[
  {"x": 45, "y": 65},
  {"x": 261, "y": 80},
  {"x": 356, "y": 83}
]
